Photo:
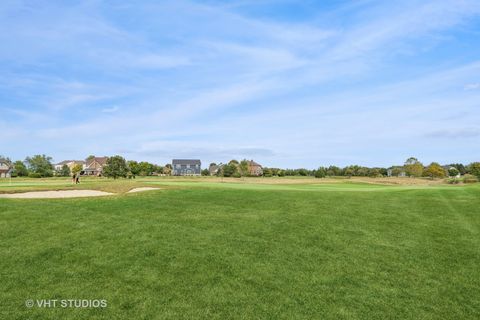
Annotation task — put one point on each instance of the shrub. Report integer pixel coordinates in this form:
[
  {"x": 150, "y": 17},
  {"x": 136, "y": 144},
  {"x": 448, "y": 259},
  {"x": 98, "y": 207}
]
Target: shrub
[
  {"x": 453, "y": 181},
  {"x": 34, "y": 175},
  {"x": 469, "y": 178},
  {"x": 237, "y": 175}
]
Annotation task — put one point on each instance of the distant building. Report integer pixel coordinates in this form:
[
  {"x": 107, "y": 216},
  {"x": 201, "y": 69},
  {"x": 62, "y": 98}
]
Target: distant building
[
  {"x": 186, "y": 167},
  {"x": 70, "y": 164},
  {"x": 214, "y": 168},
  {"x": 94, "y": 166},
  {"x": 254, "y": 169},
  {"x": 5, "y": 168}
]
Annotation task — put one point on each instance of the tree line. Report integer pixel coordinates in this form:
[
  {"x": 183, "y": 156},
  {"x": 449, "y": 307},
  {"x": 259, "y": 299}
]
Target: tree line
[{"x": 39, "y": 166}]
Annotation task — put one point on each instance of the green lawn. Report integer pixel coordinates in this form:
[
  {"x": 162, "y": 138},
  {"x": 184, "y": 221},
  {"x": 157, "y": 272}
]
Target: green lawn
[{"x": 208, "y": 250}]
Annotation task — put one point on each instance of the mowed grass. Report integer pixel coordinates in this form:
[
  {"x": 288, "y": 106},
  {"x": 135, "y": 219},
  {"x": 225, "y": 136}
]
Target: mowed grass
[{"x": 209, "y": 250}]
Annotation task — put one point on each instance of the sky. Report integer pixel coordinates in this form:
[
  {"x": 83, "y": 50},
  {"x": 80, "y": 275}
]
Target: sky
[{"x": 287, "y": 83}]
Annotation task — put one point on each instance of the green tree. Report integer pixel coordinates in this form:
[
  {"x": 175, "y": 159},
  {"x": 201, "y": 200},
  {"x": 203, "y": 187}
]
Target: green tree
[
  {"x": 267, "y": 172},
  {"x": 243, "y": 168},
  {"x": 116, "y": 167},
  {"x": 321, "y": 172},
  {"x": 413, "y": 167},
  {"x": 229, "y": 169},
  {"x": 374, "y": 172},
  {"x": 134, "y": 167},
  {"x": 20, "y": 169},
  {"x": 434, "y": 170},
  {"x": 65, "y": 171},
  {"x": 334, "y": 171},
  {"x": 40, "y": 165},
  {"x": 474, "y": 168},
  {"x": 453, "y": 172},
  {"x": 460, "y": 167}
]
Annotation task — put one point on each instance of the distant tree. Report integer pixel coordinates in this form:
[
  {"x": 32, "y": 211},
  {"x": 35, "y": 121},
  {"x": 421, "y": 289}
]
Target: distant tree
[
  {"x": 243, "y": 168},
  {"x": 281, "y": 173},
  {"x": 77, "y": 168},
  {"x": 234, "y": 162},
  {"x": 167, "y": 169},
  {"x": 65, "y": 171},
  {"x": 20, "y": 169},
  {"x": 205, "y": 172},
  {"x": 229, "y": 170},
  {"x": 374, "y": 172},
  {"x": 383, "y": 171},
  {"x": 321, "y": 172},
  {"x": 460, "y": 167},
  {"x": 413, "y": 167},
  {"x": 453, "y": 172},
  {"x": 145, "y": 168},
  {"x": 334, "y": 171},
  {"x": 434, "y": 170},
  {"x": 40, "y": 165},
  {"x": 134, "y": 168},
  {"x": 474, "y": 168},
  {"x": 267, "y": 172},
  {"x": 116, "y": 167},
  {"x": 90, "y": 157},
  {"x": 303, "y": 172}
]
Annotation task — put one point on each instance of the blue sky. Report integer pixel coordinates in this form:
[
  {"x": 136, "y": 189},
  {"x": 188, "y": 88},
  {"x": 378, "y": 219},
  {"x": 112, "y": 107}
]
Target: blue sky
[{"x": 287, "y": 83}]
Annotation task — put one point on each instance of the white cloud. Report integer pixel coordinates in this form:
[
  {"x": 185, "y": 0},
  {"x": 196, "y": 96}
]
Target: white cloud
[
  {"x": 111, "y": 109},
  {"x": 472, "y": 86}
]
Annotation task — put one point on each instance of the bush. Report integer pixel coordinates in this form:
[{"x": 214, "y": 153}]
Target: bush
[
  {"x": 237, "y": 175},
  {"x": 454, "y": 181},
  {"x": 469, "y": 178},
  {"x": 34, "y": 175}
]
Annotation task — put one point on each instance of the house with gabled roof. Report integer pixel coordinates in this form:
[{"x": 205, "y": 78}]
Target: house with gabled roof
[
  {"x": 70, "y": 164},
  {"x": 254, "y": 169},
  {"x": 94, "y": 166},
  {"x": 186, "y": 167},
  {"x": 5, "y": 168}
]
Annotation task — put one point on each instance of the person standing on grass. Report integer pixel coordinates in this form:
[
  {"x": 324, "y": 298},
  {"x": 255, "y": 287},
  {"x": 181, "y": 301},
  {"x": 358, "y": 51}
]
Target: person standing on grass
[
  {"x": 77, "y": 178},
  {"x": 74, "y": 178}
]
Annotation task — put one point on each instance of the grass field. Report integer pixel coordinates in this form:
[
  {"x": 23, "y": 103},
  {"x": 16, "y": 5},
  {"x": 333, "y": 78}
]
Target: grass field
[{"x": 252, "y": 249}]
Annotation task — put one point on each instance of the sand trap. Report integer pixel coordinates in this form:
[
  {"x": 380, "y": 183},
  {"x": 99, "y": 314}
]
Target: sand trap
[
  {"x": 142, "y": 189},
  {"x": 56, "y": 194}
]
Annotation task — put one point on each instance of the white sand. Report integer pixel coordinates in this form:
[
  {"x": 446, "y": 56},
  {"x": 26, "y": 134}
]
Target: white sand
[
  {"x": 142, "y": 189},
  {"x": 56, "y": 194}
]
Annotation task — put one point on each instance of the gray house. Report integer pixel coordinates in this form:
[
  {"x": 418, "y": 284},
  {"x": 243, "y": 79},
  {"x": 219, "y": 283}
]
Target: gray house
[{"x": 186, "y": 167}]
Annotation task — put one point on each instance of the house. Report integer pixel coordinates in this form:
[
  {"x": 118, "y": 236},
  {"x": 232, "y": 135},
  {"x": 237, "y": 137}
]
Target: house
[
  {"x": 186, "y": 167},
  {"x": 5, "y": 168},
  {"x": 254, "y": 169},
  {"x": 94, "y": 166},
  {"x": 214, "y": 168},
  {"x": 70, "y": 164}
]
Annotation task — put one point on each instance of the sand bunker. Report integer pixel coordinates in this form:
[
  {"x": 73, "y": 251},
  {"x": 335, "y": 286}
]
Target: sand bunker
[
  {"x": 56, "y": 194},
  {"x": 142, "y": 189}
]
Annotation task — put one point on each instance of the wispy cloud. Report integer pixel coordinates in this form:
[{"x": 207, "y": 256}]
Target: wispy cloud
[
  {"x": 110, "y": 110},
  {"x": 472, "y": 86},
  {"x": 241, "y": 79}
]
